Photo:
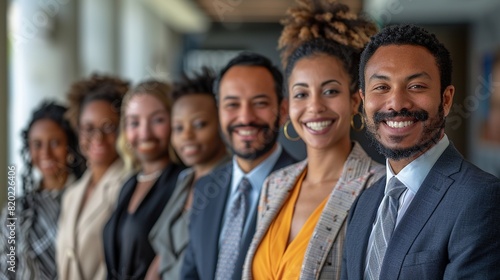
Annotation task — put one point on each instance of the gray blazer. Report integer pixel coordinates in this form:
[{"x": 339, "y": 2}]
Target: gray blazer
[
  {"x": 323, "y": 256},
  {"x": 170, "y": 235},
  {"x": 449, "y": 231}
]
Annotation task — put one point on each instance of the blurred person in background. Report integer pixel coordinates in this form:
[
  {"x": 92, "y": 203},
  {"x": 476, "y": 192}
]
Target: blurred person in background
[
  {"x": 50, "y": 146},
  {"x": 250, "y": 105},
  {"x": 303, "y": 207},
  {"x": 144, "y": 144},
  {"x": 196, "y": 140},
  {"x": 491, "y": 131},
  {"x": 486, "y": 154},
  {"x": 87, "y": 204}
]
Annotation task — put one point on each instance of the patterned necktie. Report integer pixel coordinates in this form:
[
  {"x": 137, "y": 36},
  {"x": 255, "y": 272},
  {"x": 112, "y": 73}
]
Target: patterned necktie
[
  {"x": 235, "y": 221},
  {"x": 384, "y": 226}
]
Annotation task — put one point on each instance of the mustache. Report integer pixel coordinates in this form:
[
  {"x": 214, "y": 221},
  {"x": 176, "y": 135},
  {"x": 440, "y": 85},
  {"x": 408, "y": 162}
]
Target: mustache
[
  {"x": 420, "y": 115},
  {"x": 231, "y": 128}
]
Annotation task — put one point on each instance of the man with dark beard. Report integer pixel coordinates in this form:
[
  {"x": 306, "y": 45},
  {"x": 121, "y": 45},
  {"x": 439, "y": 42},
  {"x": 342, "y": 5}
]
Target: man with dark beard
[
  {"x": 224, "y": 210},
  {"x": 435, "y": 215}
]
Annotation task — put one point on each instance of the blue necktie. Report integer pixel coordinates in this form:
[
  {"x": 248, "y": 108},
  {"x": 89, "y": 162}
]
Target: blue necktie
[
  {"x": 231, "y": 240},
  {"x": 384, "y": 226}
]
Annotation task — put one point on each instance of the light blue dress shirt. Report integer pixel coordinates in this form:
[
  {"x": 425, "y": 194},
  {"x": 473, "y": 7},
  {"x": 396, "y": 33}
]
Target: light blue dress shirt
[{"x": 413, "y": 175}]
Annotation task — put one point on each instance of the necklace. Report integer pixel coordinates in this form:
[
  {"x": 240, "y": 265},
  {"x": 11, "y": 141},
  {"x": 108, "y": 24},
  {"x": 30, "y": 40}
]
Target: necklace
[{"x": 141, "y": 177}]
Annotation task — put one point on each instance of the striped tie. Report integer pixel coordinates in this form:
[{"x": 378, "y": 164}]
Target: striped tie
[
  {"x": 384, "y": 226},
  {"x": 230, "y": 243}
]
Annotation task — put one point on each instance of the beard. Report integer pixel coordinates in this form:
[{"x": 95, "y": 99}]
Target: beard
[
  {"x": 270, "y": 138},
  {"x": 430, "y": 136}
]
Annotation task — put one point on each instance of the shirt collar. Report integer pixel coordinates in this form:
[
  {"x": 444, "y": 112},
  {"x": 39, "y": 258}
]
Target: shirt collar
[
  {"x": 257, "y": 175},
  {"x": 413, "y": 175}
]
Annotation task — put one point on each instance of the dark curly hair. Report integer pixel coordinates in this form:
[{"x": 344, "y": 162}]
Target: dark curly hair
[
  {"x": 408, "y": 34},
  {"x": 97, "y": 87},
  {"x": 200, "y": 83},
  {"x": 252, "y": 59},
  {"x": 49, "y": 110},
  {"x": 324, "y": 27}
]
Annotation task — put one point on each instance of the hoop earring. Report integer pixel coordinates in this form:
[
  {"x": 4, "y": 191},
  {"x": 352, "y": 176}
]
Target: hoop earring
[
  {"x": 358, "y": 129},
  {"x": 70, "y": 158},
  {"x": 285, "y": 131}
]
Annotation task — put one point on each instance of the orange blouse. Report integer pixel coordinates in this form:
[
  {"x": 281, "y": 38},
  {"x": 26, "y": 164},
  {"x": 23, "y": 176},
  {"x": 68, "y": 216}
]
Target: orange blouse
[{"x": 273, "y": 259}]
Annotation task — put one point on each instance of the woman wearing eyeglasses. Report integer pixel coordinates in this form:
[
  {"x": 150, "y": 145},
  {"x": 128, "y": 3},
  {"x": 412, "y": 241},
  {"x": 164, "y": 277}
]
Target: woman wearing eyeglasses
[{"x": 87, "y": 205}]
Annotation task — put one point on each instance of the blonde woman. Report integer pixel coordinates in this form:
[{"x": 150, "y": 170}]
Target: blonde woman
[{"x": 145, "y": 144}]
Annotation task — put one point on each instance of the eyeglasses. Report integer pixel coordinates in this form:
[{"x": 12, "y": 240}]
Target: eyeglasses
[{"x": 90, "y": 131}]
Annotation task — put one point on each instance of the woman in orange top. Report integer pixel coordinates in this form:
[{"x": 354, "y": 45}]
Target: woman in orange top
[{"x": 303, "y": 207}]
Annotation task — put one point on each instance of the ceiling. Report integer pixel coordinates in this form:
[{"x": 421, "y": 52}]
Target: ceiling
[
  {"x": 253, "y": 10},
  {"x": 429, "y": 11}
]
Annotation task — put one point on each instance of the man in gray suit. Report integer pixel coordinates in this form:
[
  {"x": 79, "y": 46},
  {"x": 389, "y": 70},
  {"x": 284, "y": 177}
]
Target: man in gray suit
[
  {"x": 434, "y": 215},
  {"x": 251, "y": 108}
]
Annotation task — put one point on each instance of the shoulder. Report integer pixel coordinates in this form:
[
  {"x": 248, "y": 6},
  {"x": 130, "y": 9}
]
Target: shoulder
[
  {"x": 360, "y": 165},
  {"x": 291, "y": 170},
  {"x": 475, "y": 179},
  {"x": 72, "y": 189},
  {"x": 452, "y": 164},
  {"x": 219, "y": 175},
  {"x": 285, "y": 159}
]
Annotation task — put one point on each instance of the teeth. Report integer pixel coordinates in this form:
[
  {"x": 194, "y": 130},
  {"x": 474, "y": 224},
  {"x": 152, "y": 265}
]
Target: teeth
[
  {"x": 146, "y": 145},
  {"x": 190, "y": 149},
  {"x": 318, "y": 125},
  {"x": 394, "y": 124},
  {"x": 244, "y": 132},
  {"x": 46, "y": 164}
]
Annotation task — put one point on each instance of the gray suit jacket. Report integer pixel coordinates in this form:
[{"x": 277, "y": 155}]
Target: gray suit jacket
[
  {"x": 209, "y": 203},
  {"x": 170, "y": 235},
  {"x": 449, "y": 231},
  {"x": 324, "y": 253}
]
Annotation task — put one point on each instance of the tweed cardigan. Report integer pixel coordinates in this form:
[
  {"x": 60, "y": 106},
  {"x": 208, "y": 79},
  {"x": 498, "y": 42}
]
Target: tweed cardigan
[{"x": 323, "y": 256}]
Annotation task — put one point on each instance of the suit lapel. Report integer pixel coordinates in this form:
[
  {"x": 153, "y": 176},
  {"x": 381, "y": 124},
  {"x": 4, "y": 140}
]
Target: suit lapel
[
  {"x": 76, "y": 197},
  {"x": 360, "y": 227},
  {"x": 219, "y": 182},
  {"x": 353, "y": 180},
  {"x": 97, "y": 203},
  {"x": 108, "y": 233},
  {"x": 427, "y": 198},
  {"x": 277, "y": 191}
]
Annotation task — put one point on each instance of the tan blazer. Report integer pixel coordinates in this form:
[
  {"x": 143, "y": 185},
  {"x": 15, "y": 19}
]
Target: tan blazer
[
  {"x": 323, "y": 256},
  {"x": 79, "y": 249}
]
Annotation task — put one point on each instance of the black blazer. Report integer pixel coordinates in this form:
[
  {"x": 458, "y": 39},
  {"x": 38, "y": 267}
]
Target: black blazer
[
  {"x": 209, "y": 203},
  {"x": 449, "y": 231},
  {"x": 138, "y": 252}
]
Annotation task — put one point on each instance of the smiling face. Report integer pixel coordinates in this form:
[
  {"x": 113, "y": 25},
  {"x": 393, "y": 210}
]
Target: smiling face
[
  {"x": 321, "y": 105},
  {"x": 249, "y": 111},
  {"x": 48, "y": 147},
  {"x": 147, "y": 128},
  {"x": 404, "y": 108},
  {"x": 98, "y": 132},
  {"x": 195, "y": 130}
]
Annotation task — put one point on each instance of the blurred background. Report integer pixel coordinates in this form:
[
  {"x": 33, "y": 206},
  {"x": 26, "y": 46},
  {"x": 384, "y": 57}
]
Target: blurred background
[{"x": 45, "y": 45}]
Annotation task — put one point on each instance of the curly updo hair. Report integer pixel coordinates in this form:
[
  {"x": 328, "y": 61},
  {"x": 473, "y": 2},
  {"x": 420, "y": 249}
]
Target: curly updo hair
[
  {"x": 96, "y": 88},
  {"x": 324, "y": 27},
  {"x": 409, "y": 34},
  {"x": 75, "y": 164}
]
